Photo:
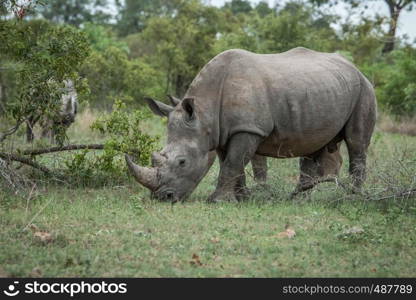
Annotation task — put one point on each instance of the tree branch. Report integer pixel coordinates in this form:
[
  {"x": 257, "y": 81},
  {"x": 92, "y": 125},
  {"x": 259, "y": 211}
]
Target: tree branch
[
  {"x": 19, "y": 157},
  {"x": 63, "y": 148},
  {"x": 402, "y": 194},
  {"x": 10, "y": 131},
  {"x": 26, "y": 161}
]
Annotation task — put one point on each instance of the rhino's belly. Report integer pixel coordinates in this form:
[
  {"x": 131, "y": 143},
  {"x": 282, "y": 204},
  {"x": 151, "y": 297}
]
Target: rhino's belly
[{"x": 295, "y": 145}]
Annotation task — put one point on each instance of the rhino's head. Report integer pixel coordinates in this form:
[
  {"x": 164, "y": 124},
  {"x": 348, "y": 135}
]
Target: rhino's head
[{"x": 185, "y": 159}]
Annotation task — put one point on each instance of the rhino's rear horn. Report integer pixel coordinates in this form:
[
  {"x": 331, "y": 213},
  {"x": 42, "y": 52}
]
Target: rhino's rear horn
[
  {"x": 157, "y": 159},
  {"x": 175, "y": 101},
  {"x": 143, "y": 175}
]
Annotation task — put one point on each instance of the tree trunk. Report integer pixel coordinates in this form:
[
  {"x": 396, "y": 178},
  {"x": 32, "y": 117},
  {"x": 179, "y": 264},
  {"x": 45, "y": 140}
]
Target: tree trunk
[
  {"x": 395, "y": 10},
  {"x": 1, "y": 100},
  {"x": 179, "y": 86}
]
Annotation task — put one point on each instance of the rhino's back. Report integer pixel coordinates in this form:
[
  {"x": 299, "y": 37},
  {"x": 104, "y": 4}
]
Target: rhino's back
[{"x": 299, "y": 99}]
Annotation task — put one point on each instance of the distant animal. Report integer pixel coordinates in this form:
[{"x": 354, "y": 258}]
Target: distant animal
[
  {"x": 65, "y": 117},
  {"x": 298, "y": 103}
]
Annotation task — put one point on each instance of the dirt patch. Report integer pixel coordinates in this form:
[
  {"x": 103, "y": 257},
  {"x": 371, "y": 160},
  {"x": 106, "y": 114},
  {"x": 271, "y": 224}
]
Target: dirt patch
[
  {"x": 405, "y": 126},
  {"x": 3, "y": 273}
]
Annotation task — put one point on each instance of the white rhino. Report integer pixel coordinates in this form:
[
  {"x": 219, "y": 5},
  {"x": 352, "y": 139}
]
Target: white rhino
[{"x": 299, "y": 103}]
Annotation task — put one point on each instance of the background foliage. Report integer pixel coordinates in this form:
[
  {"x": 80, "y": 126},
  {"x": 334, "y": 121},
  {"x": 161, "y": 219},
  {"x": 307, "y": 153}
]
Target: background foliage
[
  {"x": 90, "y": 220},
  {"x": 137, "y": 48}
]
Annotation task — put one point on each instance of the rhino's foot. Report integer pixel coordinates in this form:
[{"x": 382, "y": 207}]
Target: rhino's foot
[
  {"x": 306, "y": 194},
  {"x": 357, "y": 190},
  {"x": 261, "y": 186},
  {"x": 222, "y": 197},
  {"x": 242, "y": 193}
]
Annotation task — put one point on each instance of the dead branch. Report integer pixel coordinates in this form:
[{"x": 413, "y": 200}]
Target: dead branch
[
  {"x": 14, "y": 181},
  {"x": 62, "y": 148},
  {"x": 20, "y": 156},
  {"x": 67, "y": 148},
  {"x": 402, "y": 194},
  {"x": 26, "y": 161}
]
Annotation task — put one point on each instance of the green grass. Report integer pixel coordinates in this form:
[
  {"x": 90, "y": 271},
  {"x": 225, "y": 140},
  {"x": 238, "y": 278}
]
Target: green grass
[
  {"x": 112, "y": 232},
  {"x": 116, "y": 230}
]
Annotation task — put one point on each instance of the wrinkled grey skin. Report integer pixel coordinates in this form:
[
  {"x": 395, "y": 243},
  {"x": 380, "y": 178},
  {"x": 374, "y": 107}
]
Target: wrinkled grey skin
[
  {"x": 293, "y": 104},
  {"x": 258, "y": 162},
  {"x": 67, "y": 114}
]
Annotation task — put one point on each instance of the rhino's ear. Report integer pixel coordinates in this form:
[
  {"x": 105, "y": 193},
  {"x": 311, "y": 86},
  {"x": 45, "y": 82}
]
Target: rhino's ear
[
  {"x": 189, "y": 108},
  {"x": 159, "y": 108}
]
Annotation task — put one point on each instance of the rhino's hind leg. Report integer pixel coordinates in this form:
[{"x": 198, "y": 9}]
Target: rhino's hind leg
[
  {"x": 322, "y": 166},
  {"x": 259, "y": 165},
  {"x": 231, "y": 180},
  {"x": 358, "y": 131}
]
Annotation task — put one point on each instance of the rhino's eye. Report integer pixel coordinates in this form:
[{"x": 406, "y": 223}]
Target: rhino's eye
[{"x": 182, "y": 162}]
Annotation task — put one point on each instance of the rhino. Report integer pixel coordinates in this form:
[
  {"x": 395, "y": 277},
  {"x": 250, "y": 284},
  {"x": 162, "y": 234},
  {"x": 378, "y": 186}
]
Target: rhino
[
  {"x": 326, "y": 165},
  {"x": 299, "y": 103},
  {"x": 65, "y": 117}
]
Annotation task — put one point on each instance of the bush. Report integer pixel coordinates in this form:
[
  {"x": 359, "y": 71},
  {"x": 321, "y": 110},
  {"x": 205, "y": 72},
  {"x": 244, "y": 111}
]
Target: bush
[
  {"x": 398, "y": 94},
  {"x": 123, "y": 133}
]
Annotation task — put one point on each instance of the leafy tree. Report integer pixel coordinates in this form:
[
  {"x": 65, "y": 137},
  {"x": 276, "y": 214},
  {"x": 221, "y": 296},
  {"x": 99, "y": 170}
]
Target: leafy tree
[
  {"x": 294, "y": 25},
  {"x": 42, "y": 56},
  {"x": 75, "y": 12},
  {"x": 100, "y": 38},
  {"x": 364, "y": 41},
  {"x": 395, "y": 8},
  {"x": 238, "y": 6},
  {"x": 263, "y": 9},
  {"x": 181, "y": 45},
  {"x": 398, "y": 91},
  {"x": 112, "y": 75},
  {"x": 134, "y": 14}
]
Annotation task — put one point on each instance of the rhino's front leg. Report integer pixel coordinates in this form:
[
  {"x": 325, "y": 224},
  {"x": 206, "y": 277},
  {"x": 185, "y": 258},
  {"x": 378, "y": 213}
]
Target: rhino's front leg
[{"x": 231, "y": 180}]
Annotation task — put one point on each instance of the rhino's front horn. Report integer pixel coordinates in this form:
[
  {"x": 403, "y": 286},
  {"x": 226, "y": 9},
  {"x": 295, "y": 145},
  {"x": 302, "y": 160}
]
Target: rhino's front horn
[{"x": 143, "y": 175}]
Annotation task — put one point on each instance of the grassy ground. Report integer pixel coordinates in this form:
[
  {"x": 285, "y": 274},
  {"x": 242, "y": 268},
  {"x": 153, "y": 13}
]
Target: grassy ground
[{"x": 116, "y": 230}]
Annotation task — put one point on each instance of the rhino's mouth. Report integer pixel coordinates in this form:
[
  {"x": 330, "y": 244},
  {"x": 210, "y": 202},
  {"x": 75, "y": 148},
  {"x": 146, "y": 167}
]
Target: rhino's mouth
[{"x": 168, "y": 195}]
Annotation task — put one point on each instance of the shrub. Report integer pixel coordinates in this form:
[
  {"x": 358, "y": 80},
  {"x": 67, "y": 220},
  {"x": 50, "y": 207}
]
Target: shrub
[{"x": 123, "y": 133}]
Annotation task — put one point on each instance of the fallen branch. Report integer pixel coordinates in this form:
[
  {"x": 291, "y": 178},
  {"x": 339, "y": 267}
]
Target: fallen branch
[
  {"x": 26, "y": 161},
  {"x": 14, "y": 181},
  {"x": 63, "y": 148},
  {"x": 402, "y": 194},
  {"x": 67, "y": 148},
  {"x": 20, "y": 156}
]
